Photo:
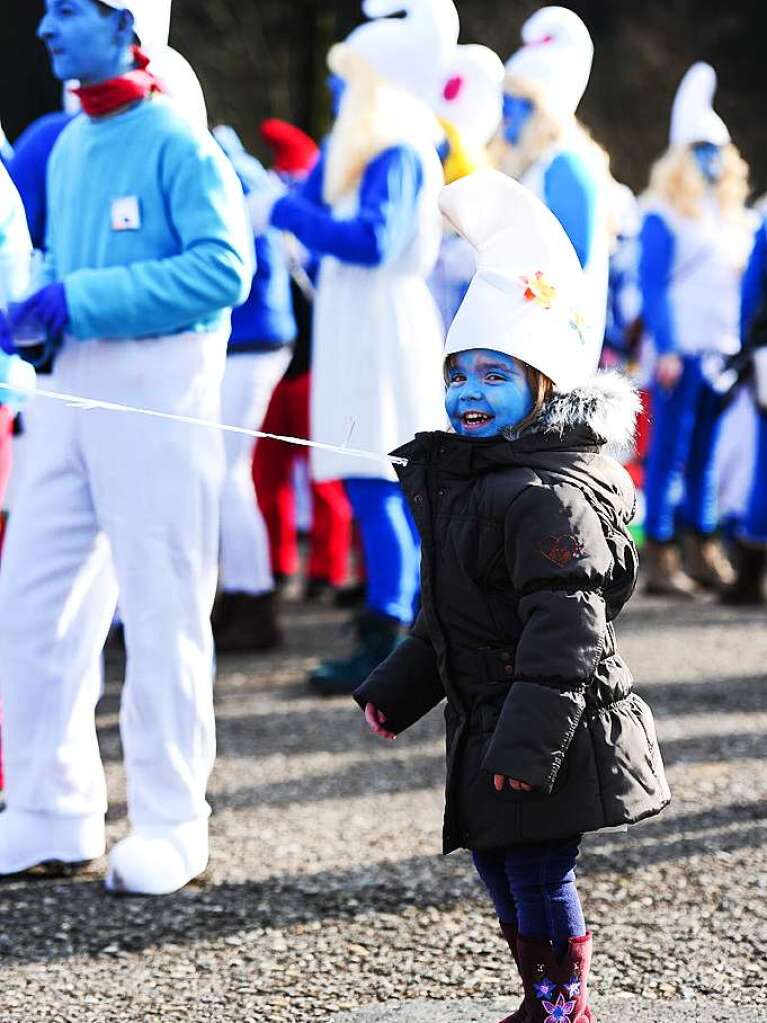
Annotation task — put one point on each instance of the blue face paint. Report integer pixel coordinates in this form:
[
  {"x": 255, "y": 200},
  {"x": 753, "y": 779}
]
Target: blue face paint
[
  {"x": 487, "y": 392},
  {"x": 517, "y": 111},
  {"x": 708, "y": 158},
  {"x": 85, "y": 43},
  {"x": 336, "y": 88}
]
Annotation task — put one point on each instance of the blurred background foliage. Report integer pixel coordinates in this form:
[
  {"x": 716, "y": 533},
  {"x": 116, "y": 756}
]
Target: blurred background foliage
[{"x": 259, "y": 58}]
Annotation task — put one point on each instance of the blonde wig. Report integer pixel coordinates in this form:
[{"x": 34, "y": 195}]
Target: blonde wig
[
  {"x": 374, "y": 115},
  {"x": 676, "y": 180}
]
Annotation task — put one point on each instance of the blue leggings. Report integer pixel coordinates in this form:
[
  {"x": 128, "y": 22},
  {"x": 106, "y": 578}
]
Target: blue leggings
[
  {"x": 391, "y": 545},
  {"x": 686, "y": 423},
  {"x": 533, "y": 885},
  {"x": 755, "y": 524}
]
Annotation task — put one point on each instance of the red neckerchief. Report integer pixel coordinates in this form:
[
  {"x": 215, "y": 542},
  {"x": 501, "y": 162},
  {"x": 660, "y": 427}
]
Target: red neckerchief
[{"x": 107, "y": 97}]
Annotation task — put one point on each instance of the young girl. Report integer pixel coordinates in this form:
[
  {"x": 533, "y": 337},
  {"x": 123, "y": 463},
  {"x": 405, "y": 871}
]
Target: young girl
[{"x": 527, "y": 560}]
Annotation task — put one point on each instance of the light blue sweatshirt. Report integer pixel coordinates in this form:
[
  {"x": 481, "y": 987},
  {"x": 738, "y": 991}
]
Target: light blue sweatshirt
[{"x": 146, "y": 226}]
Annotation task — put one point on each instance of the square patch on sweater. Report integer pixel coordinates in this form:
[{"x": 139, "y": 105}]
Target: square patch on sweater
[{"x": 561, "y": 550}]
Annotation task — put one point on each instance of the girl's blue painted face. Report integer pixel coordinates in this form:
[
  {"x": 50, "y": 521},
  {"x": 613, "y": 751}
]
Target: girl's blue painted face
[
  {"x": 517, "y": 111},
  {"x": 84, "y": 42},
  {"x": 708, "y": 158},
  {"x": 336, "y": 88},
  {"x": 487, "y": 392}
]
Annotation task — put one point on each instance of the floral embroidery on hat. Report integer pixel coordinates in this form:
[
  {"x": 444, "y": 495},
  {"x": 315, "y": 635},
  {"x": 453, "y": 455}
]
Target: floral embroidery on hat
[
  {"x": 578, "y": 324},
  {"x": 562, "y": 550},
  {"x": 559, "y": 1011},
  {"x": 539, "y": 289},
  {"x": 545, "y": 988}
]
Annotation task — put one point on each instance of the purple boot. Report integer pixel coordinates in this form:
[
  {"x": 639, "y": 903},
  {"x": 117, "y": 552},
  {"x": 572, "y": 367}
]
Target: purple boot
[{"x": 556, "y": 990}]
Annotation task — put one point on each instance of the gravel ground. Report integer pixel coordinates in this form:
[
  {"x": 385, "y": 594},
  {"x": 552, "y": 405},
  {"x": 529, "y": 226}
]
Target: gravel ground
[{"x": 325, "y": 893}]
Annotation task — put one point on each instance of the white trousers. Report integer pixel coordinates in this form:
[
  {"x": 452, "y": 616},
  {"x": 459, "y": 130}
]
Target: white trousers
[
  {"x": 249, "y": 382},
  {"x": 112, "y": 500}
]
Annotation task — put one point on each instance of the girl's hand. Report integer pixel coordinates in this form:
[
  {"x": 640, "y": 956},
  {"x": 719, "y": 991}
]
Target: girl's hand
[
  {"x": 376, "y": 720},
  {"x": 499, "y": 780}
]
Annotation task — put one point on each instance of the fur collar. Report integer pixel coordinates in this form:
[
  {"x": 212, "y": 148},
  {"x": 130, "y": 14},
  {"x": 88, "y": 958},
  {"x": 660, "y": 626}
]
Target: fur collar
[{"x": 607, "y": 404}]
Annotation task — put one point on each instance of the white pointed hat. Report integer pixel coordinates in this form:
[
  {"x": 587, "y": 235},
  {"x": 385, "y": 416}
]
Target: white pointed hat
[
  {"x": 693, "y": 118},
  {"x": 556, "y": 57},
  {"x": 181, "y": 85},
  {"x": 525, "y": 297},
  {"x": 472, "y": 96},
  {"x": 151, "y": 20},
  {"x": 414, "y": 52}
]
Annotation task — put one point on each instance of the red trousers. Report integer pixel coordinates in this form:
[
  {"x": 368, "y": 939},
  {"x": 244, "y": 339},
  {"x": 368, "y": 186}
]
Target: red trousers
[
  {"x": 6, "y": 427},
  {"x": 273, "y": 464}
]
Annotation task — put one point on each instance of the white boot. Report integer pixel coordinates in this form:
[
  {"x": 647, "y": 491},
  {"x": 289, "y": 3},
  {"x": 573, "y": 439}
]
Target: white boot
[
  {"x": 31, "y": 839},
  {"x": 158, "y": 860}
]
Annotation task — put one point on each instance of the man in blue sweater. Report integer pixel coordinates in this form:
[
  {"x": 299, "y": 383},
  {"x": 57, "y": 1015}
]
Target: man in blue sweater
[{"x": 148, "y": 251}]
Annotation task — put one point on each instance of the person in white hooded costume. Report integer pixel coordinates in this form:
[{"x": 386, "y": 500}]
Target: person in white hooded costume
[
  {"x": 469, "y": 109},
  {"x": 369, "y": 209},
  {"x": 148, "y": 250},
  {"x": 695, "y": 240},
  {"x": 545, "y": 147}
]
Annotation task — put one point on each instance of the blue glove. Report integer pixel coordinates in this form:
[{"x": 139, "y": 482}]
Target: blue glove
[
  {"x": 48, "y": 306},
  {"x": 6, "y": 338}
]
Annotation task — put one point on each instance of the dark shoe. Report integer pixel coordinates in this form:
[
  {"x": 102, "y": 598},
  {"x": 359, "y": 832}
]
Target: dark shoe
[
  {"x": 509, "y": 932},
  {"x": 706, "y": 562},
  {"x": 378, "y": 635},
  {"x": 247, "y": 624},
  {"x": 662, "y": 570},
  {"x": 320, "y": 591},
  {"x": 351, "y": 596},
  {"x": 747, "y": 590},
  {"x": 555, "y": 989}
]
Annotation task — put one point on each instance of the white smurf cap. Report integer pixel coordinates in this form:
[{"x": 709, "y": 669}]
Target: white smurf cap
[
  {"x": 693, "y": 118},
  {"x": 472, "y": 96},
  {"x": 180, "y": 85},
  {"x": 414, "y": 52},
  {"x": 151, "y": 21},
  {"x": 525, "y": 297},
  {"x": 556, "y": 58}
]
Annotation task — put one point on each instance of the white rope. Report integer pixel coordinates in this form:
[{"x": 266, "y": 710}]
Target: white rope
[{"x": 86, "y": 404}]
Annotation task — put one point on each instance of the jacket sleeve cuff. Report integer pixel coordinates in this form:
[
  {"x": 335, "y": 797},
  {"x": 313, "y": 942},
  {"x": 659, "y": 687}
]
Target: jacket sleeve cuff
[
  {"x": 534, "y": 733},
  {"x": 405, "y": 687}
]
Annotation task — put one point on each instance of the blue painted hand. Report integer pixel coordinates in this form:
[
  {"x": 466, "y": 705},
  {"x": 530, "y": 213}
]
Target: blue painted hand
[
  {"x": 487, "y": 392},
  {"x": 48, "y": 306}
]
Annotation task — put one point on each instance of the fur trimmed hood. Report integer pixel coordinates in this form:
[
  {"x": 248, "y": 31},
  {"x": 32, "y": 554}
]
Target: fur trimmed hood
[{"x": 608, "y": 405}]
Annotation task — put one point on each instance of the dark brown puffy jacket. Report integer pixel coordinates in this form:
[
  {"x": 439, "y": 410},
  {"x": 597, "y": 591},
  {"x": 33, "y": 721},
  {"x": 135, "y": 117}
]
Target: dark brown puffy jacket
[{"x": 527, "y": 561}]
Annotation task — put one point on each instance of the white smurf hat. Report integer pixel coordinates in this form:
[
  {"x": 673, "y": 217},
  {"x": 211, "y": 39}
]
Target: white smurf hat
[
  {"x": 181, "y": 85},
  {"x": 693, "y": 118},
  {"x": 414, "y": 52},
  {"x": 524, "y": 299},
  {"x": 472, "y": 96},
  {"x": 556, "y": 58},
  {"x": 151, "y": 20}
]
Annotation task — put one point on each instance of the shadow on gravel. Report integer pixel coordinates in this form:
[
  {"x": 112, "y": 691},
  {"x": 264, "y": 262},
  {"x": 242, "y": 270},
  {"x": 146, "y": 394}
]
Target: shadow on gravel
[
  {"x": 663, "y": 616},
  {"x": 41, "y": 921},
  {"x": 747, "y": 693}
]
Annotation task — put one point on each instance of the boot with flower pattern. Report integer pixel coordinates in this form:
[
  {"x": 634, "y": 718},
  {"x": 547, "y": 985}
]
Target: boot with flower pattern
[
  {"x": 555, "y": 989},
  {"x": 509, "y": 931}
]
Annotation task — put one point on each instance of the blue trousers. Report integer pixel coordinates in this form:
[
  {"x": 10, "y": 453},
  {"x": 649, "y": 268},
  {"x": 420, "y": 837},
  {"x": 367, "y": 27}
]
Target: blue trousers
[
  {"x": 686, "y": 424},
  {"x": 533, "y": 885},
  {"x": 755, "y": 523},
  {"x": 391, "y": 544}
]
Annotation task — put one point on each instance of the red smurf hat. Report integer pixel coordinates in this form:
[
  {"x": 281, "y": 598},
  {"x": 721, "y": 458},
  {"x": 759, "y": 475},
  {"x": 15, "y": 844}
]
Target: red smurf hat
[{"x": 294, "y": 151}]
